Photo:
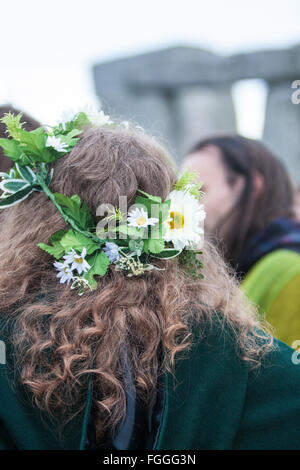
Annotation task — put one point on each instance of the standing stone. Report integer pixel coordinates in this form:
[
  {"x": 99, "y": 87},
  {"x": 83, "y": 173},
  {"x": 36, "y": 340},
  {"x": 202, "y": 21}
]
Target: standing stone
[
  {"x": 182, "y": 94},
  {"x": 203, "y": 111},
  {"x": 160, "y": 91},
  {"x": 282, "y": 127}
]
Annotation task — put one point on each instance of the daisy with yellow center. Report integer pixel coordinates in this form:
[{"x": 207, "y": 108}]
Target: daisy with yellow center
[
  {"x": 78, "y": 261},
  {"x": 139, "y": 218},
  {"x": 65, "y": 273},
  {"x": 184, "y": 227}
]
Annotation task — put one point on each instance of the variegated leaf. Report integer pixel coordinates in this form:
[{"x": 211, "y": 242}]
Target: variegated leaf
[
  {"x": 13, "y": 185},
  {"x": 15, "y": 198},
  {"x": 26, "y": 173}
]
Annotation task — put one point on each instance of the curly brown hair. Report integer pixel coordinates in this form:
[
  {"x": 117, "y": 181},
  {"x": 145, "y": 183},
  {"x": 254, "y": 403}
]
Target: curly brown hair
[{"x": 60, "y": 339}]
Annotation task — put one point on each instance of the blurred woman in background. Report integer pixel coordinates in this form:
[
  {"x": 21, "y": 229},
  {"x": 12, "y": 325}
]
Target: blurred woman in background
[{"x": 250, "y": 210}]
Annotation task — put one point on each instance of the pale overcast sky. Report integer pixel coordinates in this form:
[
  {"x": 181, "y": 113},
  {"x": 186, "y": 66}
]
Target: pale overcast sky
[{"x": 48, "y": 47}]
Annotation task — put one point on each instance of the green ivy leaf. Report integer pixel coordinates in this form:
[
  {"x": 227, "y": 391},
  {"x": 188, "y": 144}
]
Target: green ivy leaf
[
  {"x": 154, "y": 245},
  {"x": 25, "y": 161},
  {"x": 99, "y": 263},
  {"x": 70, "y": 138},
  {"x": 144, "y": 202},
  {"x": 155, "y": 199},
  {"x": 72, "y": 208},
  {"x": 35, "y": 140},
  {"x": 78, "y": 241},
  {"x": 132, "y": 232},
  {"x": 11, "y": 149},
  {"x": 90, "y": 278},
  {"x": 73, "y": 203},
  {"x": 164, "y": 211},
  {"x": 56, "y": 250},
  {"x": 33, "y": 143},
  {"x": 81, "y": 121}
]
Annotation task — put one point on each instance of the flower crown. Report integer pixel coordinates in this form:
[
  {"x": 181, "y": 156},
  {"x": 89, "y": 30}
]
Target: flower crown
[{"x": 129, "y": 240}]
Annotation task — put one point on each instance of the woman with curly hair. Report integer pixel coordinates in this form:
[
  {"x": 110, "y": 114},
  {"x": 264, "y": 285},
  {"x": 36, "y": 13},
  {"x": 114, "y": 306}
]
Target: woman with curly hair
[{"x": 160, "y": 360}]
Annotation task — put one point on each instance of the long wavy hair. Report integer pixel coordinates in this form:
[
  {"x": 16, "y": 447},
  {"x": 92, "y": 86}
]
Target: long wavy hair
[{"x": 59, "y": 339}]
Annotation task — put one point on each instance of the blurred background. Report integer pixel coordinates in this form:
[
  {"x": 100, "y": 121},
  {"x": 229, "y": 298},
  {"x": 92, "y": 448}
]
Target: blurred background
[{"x": 181, "y": 69}]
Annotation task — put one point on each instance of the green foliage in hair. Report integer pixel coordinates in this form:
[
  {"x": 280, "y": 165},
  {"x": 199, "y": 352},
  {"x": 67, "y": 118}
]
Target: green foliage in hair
[
  {"x": 188, "y": 182},
  {"x": 13, "y": 125},
  {"x": 192, "y": 265}
]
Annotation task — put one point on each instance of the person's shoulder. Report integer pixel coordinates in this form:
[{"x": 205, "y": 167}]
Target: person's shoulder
[
  {"x": 216, "y": 348},
  {"x": 281, "y": 263},
  {"x": 220, "y": 335},
  {"x": 271, "y": 412},
  {"x": 266, "y": 392},
  {"x": 258, "y": 357},
  {"x": 280, "y": 366},
  {"x": 270, "y": 275}
]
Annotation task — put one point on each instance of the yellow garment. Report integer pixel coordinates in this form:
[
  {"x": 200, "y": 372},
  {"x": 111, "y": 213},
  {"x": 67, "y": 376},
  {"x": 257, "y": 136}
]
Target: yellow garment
[{"x": 273, "y": 285}]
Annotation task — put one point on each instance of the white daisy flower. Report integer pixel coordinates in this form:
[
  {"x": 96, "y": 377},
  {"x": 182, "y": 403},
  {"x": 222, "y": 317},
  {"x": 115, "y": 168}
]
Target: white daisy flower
[
  {"x": 97, "y": 118},
  {"x": 139, "y": 218},
  {"x": 184, "y": 228},
  {"x": 65, "y": 272},
  {"x": 78, "y": 261},
  {"x": 56, "y": 143}
]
